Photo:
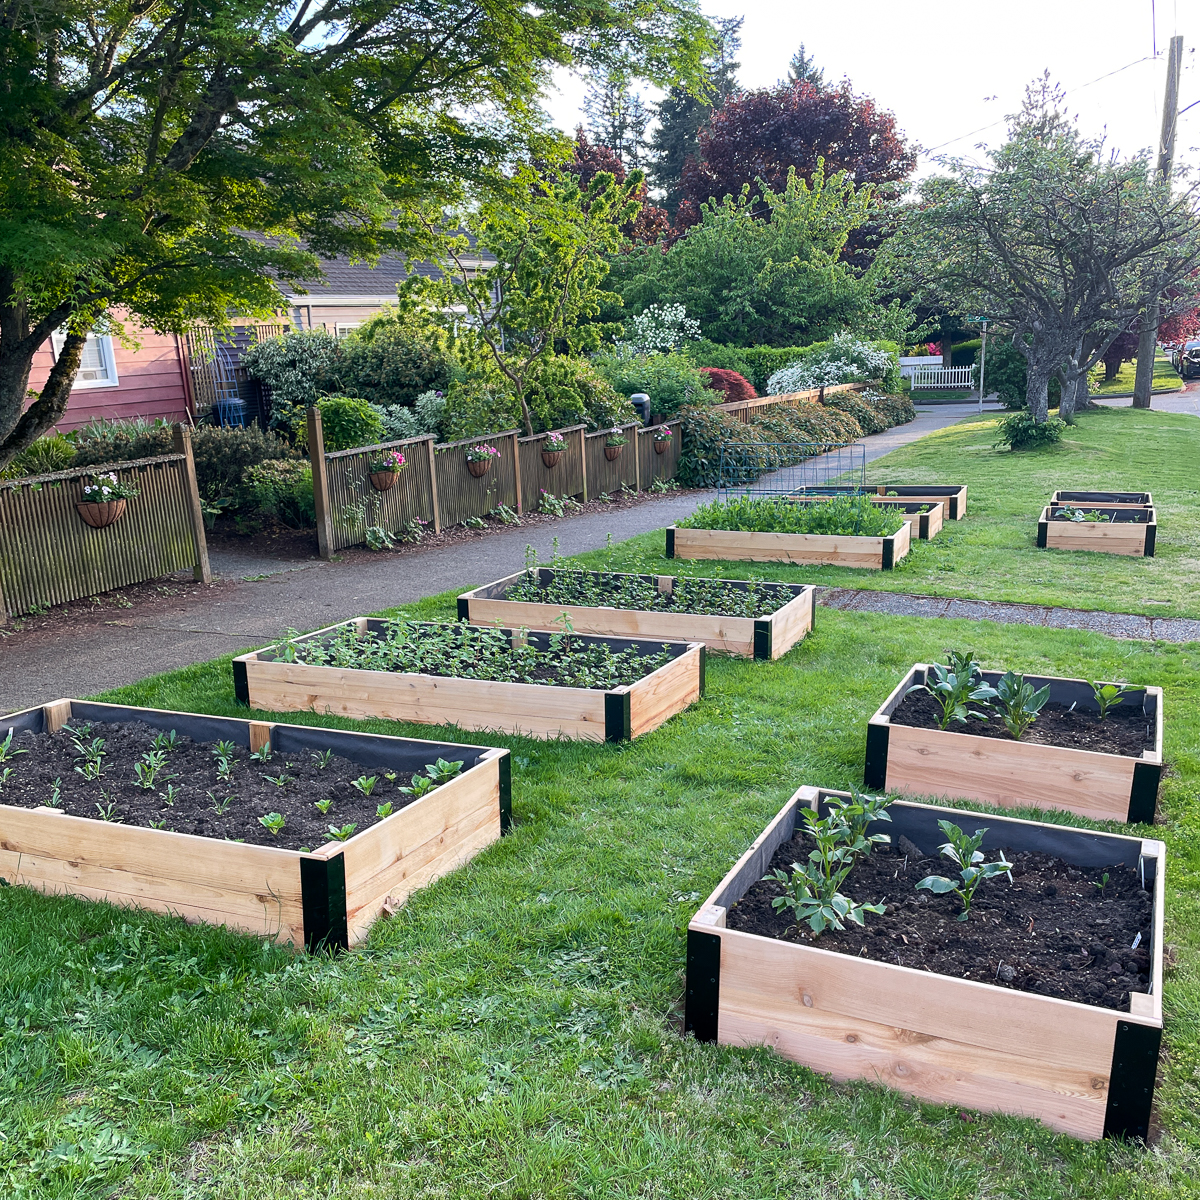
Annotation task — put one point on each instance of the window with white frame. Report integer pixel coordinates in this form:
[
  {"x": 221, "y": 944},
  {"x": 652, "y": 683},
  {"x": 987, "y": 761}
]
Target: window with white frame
[
  {"x": 344, "y": 327},
  {"x": 97, "y": 366}
]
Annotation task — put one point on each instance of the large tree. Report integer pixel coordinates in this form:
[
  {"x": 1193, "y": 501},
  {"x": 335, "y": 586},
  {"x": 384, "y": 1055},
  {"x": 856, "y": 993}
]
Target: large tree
[
  {"x": 651, "y": 224},
  {"x": 142, "y": 139},
  {"x": 1060, "y": 244}
]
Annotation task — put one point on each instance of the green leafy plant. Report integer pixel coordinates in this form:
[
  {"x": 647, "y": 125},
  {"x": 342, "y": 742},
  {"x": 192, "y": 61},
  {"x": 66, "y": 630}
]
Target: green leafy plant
[
  {"x": 1102, "y": 884},
  {"x": 322, "y": 760},
  {"x": 365, "y": 783},
  {"x": 505, "y": 515},
  {"x": 420, "y": 785},
  {"x": 6, "y": 749},
  {"x": 1018, "y": 703},
  {"x": 220, "y": 807},
  {"x": 56, "y": 793},
  {"x": 377, "y": 538},
  {"x": 323, "y": 806},
  {"x": 954, "y": 691},
  {"x": 273, "y": 822},
  {"x": 838, "y": 515},
  {"x": 5, "y": 775},
  {"x": 280, "y": 780},
  {"x": 108, "y": 812},
  {"x": 263, "y": 754},
  {"x": 171, "y": 794},
  {"x": 1089, "y": 516},
  {"x": 1109, "y": 695},
  {"x": 342, "y": 834},
  {"x": 384, "y": 810},
  {"x": 224, "y": 750},
  {"x": 964, "y": 852},
  {"x": 165, "y": 741},
  {"x": 442, "y": 771},
  {"x": 1021, "y": 432}
]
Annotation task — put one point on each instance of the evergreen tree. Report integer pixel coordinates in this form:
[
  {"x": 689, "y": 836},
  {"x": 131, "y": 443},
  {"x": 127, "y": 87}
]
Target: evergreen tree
[
  {"x": 617, "y": 119},
  {"x": 681, "y": 115},
  {"x": 803, "y": 68}
]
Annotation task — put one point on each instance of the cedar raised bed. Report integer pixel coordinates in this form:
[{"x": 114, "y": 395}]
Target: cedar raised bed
[
  {"x": 767, "y": 637},
  {"x": 1130, "y": 531},
  {"x": 326, "y": 898},
  {"x": 1081, "y": 1069},
  {"x": 952, "y": 496},
  {"x": 925, "y": 516},
  {"x": 1113, "y": 499},
  {"x": 1004, "y": 772},
  {"x": 733, "y": 545},
  {"x": 529, "y": 709}
]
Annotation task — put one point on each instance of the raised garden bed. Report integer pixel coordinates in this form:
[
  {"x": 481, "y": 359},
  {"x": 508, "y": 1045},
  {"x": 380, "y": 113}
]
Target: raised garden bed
[
  {"x": 889, "y": 1003},
  {"x": 952, "y": 496},
  {"x": 1114, "y": 499},
  {"x": 1107, "y": 769},
  {"x": 791, "y": 529},
  {"x": 569, "y": 685},
  {"x": 749, "y": 619},
  {"x": 200, "y": 850},
  {"x": 925, "y": 516},
  {"x": 1117, "y": 531}
]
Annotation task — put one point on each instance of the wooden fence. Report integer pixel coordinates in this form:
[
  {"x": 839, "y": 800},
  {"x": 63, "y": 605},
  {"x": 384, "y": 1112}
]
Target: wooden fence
[
  {"x": 437, "y": 488},
  {"x": 49, "y": 556},
  {"x": 743, "y": 408}
]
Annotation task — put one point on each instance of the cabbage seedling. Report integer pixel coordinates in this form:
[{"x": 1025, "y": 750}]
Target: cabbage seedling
[
  {"x": 964, "y": 851},
  {"x": 365, "y": 784},
  {"x": 954, "y": 691},
  {"x": 323, "y": 806},
  {"x": 341, "y": 835},
  {"x": 1109, "y": 695},
  {"x": 384, "y": 810}
]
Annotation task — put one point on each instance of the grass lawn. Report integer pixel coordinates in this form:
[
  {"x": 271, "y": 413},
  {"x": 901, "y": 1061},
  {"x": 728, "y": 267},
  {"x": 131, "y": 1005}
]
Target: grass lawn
[
  {"x": 993, "y": 554},
  {"x": 514, "y": 1031},
  {"x": 1166, "y": 378}
]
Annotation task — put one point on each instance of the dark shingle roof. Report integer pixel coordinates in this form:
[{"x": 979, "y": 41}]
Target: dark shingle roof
[{"x": 344, "y": 278}]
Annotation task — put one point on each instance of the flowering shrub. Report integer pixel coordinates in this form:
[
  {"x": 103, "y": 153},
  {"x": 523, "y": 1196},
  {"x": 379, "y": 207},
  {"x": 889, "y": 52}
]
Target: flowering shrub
[
  {"x": 843, "y": 359},
  {"x": 554, "y": 443},
  {"x": 481, "y": 453},
  {"x": 660, "y": 329},
  {"x": 392, "y": 461},
  {"x": 732, "y": 385},
  {"x": 104, "y": 488}
]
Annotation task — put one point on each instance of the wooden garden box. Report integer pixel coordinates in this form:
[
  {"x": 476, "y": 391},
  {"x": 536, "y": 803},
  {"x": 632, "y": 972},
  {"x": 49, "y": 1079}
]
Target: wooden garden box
[
  {"x": 1110, "y": 499},
  {"x": 1081, "y": 1070},
  {"x": 871, "y": 553},
  {"x": 953, "y": 496},
  {"x": 1003, "y": 772},
  {"x": 748, "y": 637},
  {"x": 925, "y": 525},
  {"x": 1124, "y": 534},
  {"x": 327, "y": 898},
  {"x": 528, "y": 709}
]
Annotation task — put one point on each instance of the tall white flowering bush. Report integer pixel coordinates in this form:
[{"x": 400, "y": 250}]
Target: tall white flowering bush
[
  {"x": 660, "y": 329},
  {"x": 842, "y": 359}
]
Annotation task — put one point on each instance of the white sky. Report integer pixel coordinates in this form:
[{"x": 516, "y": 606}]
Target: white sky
[{"x": 948, "y": 69}]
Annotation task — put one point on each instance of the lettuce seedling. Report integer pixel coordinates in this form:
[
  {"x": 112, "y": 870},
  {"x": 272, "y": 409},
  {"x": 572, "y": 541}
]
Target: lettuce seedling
[
  {"x": 1109, "y": 695},
  {"x": 341, "y": 835},
  {"x": 274, "y": 822},
  {"x": 1018, "y": 703},
  {"x": 954, "y": 691},
  {"x": 384, "y": 810},
  {"x": 323, "y": 806},
  {"x": 365, "y": 783},
  {"x": 964, "y": 851}
]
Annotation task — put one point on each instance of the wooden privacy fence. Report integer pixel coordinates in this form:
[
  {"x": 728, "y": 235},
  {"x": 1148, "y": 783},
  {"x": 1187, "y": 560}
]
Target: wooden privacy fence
[
  {"x": 49, "y": 556},
  {"x": 437, "y": 488},
  {"x": 743, "y": 408}
]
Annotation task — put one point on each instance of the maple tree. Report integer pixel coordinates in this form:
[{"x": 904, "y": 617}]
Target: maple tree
[{"x": 587, "y": 161}]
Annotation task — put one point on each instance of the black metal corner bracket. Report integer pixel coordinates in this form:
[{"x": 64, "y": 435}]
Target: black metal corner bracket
[
  {"x": 875, "y": 770},
  {"x": 671, "y": 541},
  {"x": 323, "y": 899},
  {"x": 763, "y": 639},
  {"x": 1131, "y": 1080},
  {"x": 464, "y": 609},
  {"x": 703, "y": 998},
  {"x": 505, "y": 794},
  {"x": 1143, "y": 793},
  {"x": 1043, "y": 534},
  {"x": 889, "y": 552},
  {"x": 618, "y": 722},
  {"x": 241, "y": 684}
]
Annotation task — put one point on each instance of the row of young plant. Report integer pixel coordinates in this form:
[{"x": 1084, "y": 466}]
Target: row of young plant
[{"x": 854, "y": 516}]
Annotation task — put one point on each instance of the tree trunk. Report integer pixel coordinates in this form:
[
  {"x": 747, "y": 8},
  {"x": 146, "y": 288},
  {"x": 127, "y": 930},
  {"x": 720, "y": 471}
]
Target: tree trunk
[
  {"x": 1037, "y": 383},
  {"x": 1066, "y": 397},
  {"x": 1111, "y": 370},
  {"x": 19, "y": 430},
  {"x": 1143, "y": 383}
]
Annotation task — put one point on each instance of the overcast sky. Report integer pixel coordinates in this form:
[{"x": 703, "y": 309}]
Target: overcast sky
[{"x": 948, "y": 69}]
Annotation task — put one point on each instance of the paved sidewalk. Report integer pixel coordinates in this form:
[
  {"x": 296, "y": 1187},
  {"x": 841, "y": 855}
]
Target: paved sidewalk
[{"x": 270, "y": 595}]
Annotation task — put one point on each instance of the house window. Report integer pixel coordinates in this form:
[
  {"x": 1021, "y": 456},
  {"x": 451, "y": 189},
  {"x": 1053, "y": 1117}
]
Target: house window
[
  {"x": 97, "y": 367},
  {"x": 343, "y": 327}
]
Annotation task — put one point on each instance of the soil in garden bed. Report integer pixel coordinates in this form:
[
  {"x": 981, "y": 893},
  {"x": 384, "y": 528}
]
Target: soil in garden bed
[
  {"x": 1121, "y": 516},
  {"x": 1126, "y": 730},
  {"x": 191, "y": 768},
  {"x": 1052, "y": 930}
]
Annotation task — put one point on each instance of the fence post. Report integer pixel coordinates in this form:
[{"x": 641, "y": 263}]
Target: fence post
[
  {"x": 437, "y": 515},
  {"x": 637, "y": 457},
  {"x": 320, "y": 478},
  {"x": 517, "y": 469},
  {"x": 181, "y": 439},
  {"x": 583, "y": 460},
  {"x": 3, "y": 606}
]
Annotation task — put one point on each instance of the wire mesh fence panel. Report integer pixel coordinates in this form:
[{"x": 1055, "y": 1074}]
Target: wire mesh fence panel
[
  {"x": 48, "y": 555},
  {"x": 658, "y": 460},
  {"x": 790, "y": 468},
  {"x": 355, "y": 504},
  {"x": 462, "y": 494},
  {"x": 608, "y": 475},
  {"x": 561, "y": 476}
]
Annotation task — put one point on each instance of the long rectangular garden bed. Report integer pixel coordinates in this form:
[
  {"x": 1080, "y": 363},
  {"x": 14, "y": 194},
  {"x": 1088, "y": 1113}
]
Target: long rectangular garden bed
[
  {"x": 1128, "y": 530},
  {"x": 953, "y": 496},
  {"x": 662, "y": 678},
  {"x": 844, "y": 550},
  {"x": 1105, "y": 786},
  {"x": 143, "y": 849},
  {"x": 925, "y": 516},
  {"x": 1113, "y": 499},
  {"x": 750, "y": 619},
  {"x": 843, "y": 1006}
]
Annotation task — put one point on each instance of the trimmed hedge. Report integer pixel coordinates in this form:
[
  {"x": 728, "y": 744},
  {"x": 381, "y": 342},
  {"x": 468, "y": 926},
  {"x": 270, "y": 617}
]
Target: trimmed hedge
[{"x": 866, "y": 414}]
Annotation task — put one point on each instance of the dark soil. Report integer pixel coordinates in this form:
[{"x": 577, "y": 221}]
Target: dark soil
[
  {"x": 264, "y": 536},
  {"x": 1122, "y": 516},
  {"x": 191, "y": 768},
  {"x": 1051, "y": 930},
  {"x": 1126, "y": 730}
]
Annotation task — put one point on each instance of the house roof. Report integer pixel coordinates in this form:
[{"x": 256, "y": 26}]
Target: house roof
[{"x": 359, "y": 282}]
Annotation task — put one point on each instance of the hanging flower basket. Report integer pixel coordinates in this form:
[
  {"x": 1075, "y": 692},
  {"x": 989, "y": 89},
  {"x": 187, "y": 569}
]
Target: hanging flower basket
[
  {"x": 551, "y": 457},
  {"x": 385, "y": 470},
  {"x": 480, "y": 458},
  {"x": 104, "y": 500},
  {"x": 614, "y": 444},
  {"x": 553, "y": 448},
  {"x": 661, "y": 439}
]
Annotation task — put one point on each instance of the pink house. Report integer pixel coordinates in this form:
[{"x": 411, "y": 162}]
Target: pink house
[{"x": 117, "y": 381}]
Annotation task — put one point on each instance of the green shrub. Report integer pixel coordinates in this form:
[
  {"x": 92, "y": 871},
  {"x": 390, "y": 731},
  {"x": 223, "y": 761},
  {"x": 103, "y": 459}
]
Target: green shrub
[
  {"x": 347, "y": 422},
  {"x": 672, "y": 381},
  {"x": 478, "y": 406},
  {"x": 284, "y": 489},
  {"x": 295, "y": 368},
  {"x": 703, "y": 353},
  {"x": 897, "y": 409},
  {"x": 849, "y": 515},
  {"x": 563, "y": 390},
  {"x": 870, "y": 418},
  {"x": 48, "y": 454},
  {"x": 811, "y": 424},
  {"x": 389, "y": 360},
  {"x": 763, "y": 361},
  {"x": 1005, "y": 372},
  {"x": 1022, "y": 432}
]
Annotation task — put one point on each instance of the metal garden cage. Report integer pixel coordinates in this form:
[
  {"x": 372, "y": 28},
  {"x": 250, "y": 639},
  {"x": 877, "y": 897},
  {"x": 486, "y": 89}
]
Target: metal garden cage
[{"x": 792, "y": 469}]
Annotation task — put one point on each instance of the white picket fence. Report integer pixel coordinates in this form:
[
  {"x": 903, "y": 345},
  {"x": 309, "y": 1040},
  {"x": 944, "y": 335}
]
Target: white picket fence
[{"x": 940, "y": 377}]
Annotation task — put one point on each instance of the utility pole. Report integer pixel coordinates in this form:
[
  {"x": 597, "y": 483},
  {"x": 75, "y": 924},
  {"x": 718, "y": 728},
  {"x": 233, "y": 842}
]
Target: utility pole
[{"x": 1148, "y": 333}]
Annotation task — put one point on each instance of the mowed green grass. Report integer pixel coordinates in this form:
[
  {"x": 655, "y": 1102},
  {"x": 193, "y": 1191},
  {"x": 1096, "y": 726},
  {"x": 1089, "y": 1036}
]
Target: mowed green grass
[
  {"x": 993, "y": 554},
  {"x": 1166, "y": 378},
  {"x": 515, "y": 1031}
]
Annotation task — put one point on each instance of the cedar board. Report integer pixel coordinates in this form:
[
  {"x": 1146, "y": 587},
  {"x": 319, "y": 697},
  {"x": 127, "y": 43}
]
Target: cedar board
[{"x": 803, "y": 548}]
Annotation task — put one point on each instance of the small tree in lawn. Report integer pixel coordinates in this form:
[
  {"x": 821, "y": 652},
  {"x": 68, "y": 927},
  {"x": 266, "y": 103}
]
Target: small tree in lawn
[{"x": 550, "y": 237}]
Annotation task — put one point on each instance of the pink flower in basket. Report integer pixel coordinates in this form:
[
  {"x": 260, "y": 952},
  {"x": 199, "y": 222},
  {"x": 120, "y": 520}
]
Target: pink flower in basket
[{"x": 482, "y": 453}]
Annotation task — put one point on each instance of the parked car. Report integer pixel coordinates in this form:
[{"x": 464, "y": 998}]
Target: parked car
[{"x": 1186, "y": 359}]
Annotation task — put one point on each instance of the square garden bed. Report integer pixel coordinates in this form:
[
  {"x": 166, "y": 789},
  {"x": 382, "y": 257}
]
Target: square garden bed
[
  {"x": 566, "y": 684},
  {"x": 1113, "y": 499},
  {"x": 281, "y": 842},
  {"x": 751, "y": 619},
  {"x": 873, "y": 1003},
  {"x": 1107, "y": 529},
  {"x": 1069, "y": 759}
]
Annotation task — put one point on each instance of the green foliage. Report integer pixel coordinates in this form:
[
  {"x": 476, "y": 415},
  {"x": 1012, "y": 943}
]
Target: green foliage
[
  {"x": 48, "y": 454},
  {"x": 964, "y": 852},
  {"x": 284, "y": 488},
  {"x": 869, "y": 418},
  {"x": 1006, "y": 374},
  {"x": 955, "y": 687},
  {"x": 754, "y": 282},
  {"x": 563, "y": 390},
  {"x": 1018, "y": 703},
  {"x": 393, "y": 359},
  {"x": 1021, "y": 432},
  {"x": 670, "y": 380},
  {"x": 896, "y": 409},
  {"x": 478, "y": 406},
  {"x": 347, "y": 422},
  {"x": 1108, "y": 695},
  {"x": 848, "y": 515},
  {"x": 295, "y": 368}
]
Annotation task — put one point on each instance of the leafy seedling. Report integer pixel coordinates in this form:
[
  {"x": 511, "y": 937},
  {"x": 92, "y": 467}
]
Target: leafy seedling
[
  {"x": 158, "y": 824},
  {"x": 341, "y": 835},
  {"x": 1109, "y": 695},
  {"x": 421, "y": 784},
  {"x": 390, "y": 776},
  {"x": 964, "y": 851},
  {"x": 262, "y": 755},
  {"x": 171, "y": 794},
  {"x": 222, "y": 807},
  {"x": 224, "y": 750},
  {"x": 384, "y": 810},
  {"x": 1018, "y": 703},
  {"x": 224, "y": 770},
  {"x": 323, "y": 806},
  {"x": 274, "y": 822},
  {"x": 56, "y": 793},
  {"x": 365, "y": 783},
  {"x": 322, "y": 760},
  {"x": 6, "y": 749},
  {"x": 812, "y": 898},
  {"x": 1102, "y": 884},
  {"x": 165, "y": 742},
  {"x": 280, "y": 780},
  {"x": 5, "y": 775},
  {"x": 90, "y": 769},
  {"x": 144, "y": 775},
  {"x": 108, "y": 812},
  {"x": 442, "y": 771},
  {"x": 954, "y": 692}
]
